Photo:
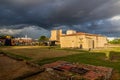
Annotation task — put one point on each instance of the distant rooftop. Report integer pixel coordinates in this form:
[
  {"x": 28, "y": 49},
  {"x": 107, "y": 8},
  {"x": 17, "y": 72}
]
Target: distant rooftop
[{"x": 81, "y": 33}]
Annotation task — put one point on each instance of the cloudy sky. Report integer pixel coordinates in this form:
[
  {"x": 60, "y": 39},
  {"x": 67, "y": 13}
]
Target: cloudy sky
[{"x": 38, "y": 17}]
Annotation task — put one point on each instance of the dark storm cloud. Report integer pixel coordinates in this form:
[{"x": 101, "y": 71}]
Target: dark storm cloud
[
  {"x": 82, "y": 15},
  {"x": 51, "y": 12}
]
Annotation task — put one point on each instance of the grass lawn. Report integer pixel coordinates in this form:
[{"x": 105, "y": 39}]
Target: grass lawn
[
  {"x": 43, "y": 55},
  {"x": 37, "y": 52},
  {"x": 94, "y": 58}
]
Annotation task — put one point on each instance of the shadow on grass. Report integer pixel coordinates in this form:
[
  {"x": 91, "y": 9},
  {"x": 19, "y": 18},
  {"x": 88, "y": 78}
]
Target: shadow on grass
[
  {"x": 114, "y": 56},
  {"x": 72, "y": 49},
  {"x": 92, "y": 58},
  {"x": 83, "y": 57}
]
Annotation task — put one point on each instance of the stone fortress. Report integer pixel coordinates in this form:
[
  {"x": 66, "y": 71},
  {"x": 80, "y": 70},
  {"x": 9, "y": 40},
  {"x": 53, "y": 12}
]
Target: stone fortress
[{"x": 73, "y": 39}]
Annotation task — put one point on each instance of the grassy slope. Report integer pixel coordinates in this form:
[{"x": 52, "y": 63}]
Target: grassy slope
[
  {"x": 38, "y": 53},
  {"x": 96, "y": 57},
  {"x": 42, "y": 55}
]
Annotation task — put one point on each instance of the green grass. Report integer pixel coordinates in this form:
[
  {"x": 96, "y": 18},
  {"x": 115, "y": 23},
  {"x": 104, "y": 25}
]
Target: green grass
[
  {"x": 96, "y": 57},
  {"x": 73, "y": 50},
  {"x": 17, "y": 56},
  {"x": 93, "y": 58},
  {"x": 45, "y": 55}
]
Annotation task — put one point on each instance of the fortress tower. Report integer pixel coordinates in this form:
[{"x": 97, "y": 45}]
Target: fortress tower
[
  {"x": 70, "y": 32},
  {"x": 55, "y": 35}
]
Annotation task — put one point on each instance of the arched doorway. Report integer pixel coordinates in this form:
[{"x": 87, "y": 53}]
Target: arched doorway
[
  {"x": 93, "y": 44},
  {"x": 81, "y": 46}
]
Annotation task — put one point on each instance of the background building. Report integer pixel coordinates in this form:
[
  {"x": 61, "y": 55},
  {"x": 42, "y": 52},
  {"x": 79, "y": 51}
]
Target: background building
[
  {"x": 23, "y": 41},
  {"x": 73, "y": 39}
]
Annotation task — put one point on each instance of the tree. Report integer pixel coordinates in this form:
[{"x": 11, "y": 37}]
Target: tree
[
  {"x": 43, "y": 39},
  {"x": 2, "y": 36},
  {"x": 115, "y": 41}
]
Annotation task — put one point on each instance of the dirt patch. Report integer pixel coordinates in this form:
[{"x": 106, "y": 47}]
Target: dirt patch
[
  {"x": 62, "y": 70},
  {"x": 115, "y": 75},
  {"x": 11, "y": 69}
]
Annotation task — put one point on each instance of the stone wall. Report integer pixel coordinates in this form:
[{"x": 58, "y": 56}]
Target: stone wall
[{"x": 86, "y": 42}]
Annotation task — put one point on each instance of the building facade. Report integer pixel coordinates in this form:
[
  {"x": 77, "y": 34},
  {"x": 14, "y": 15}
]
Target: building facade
[{"x": 73, "y": 39}]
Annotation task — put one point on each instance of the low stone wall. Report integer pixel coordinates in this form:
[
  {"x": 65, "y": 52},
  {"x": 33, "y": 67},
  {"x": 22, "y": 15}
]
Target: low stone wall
[
  {"x": 26, "y": 68},
  {"x": 113, "y": 45}
]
